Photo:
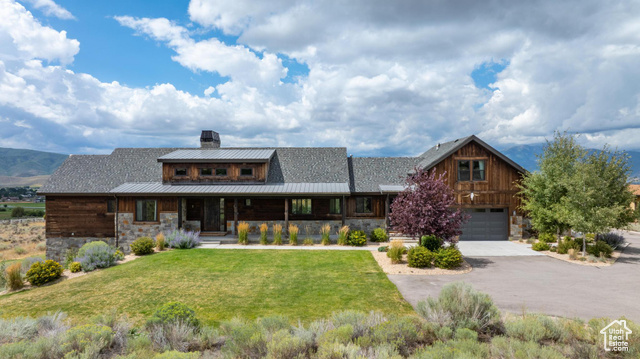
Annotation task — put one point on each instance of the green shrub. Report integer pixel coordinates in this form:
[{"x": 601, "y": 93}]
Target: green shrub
[
  {"x": 143, "y": 246},
  {"x": 448, "y": 258},
  {"x": 18, "y": 212},
  {"x": 566, "y": 244},
  {"x": 465, "y": 334},
  {"x": 600, "y": 247},
  {"x": 342, "y": 335},
  {"x": 75, "y": 267},
  {"x": 454, "y": 349},
  {"x": 97, "y": 254},
  {"x": 534, "y": 328},
  {"x": 395, "y": 253},
  {"x": 70, "y": 256},
  {"x": 13, "y": 275},
  {"x": 19, "y": 250},
  {"x": 379, "y": 235},
  {"x": 118, "y": 255},
  {"x": 357, "y": 238},
  {"x": 547, "y": 237},
  {"x": 244, "y": 340},
  {"x": 88, "y": 337},
  {"x": 420, "y": 257},
  {"x": 460, "y": 306},
  {"x": 540, "y": 246},
  {"x": 431, "y": 242},
  {"x": 283, "y": 345},
  {"x": 173, "y": 312},
  {"x": 402, "y": 334},
  {"x": 44, "y": 272},
  {"x": 383, "y": 248}
]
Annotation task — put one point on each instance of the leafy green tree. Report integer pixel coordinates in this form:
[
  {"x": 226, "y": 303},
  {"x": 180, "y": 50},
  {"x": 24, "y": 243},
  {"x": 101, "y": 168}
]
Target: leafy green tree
[
  {"x": 600, "y": 199},
  {"x": 575, "y": 189},
  {"x": 17, "y": 212},
  {"x": 543, "y": 191}
]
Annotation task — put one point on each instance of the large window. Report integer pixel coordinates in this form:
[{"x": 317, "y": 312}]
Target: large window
[
  {"x": 335, "y": 206},
  {"x": 146, "y": 210},
  {"x": 206, "y": 172},
  {"x": 246, "y": 172},
  {"x": 301, "y": 206},
  {"x": 363, "y": 205},
  {"x": 180, "y": 172},
  {"x": 221, "y": 172},
  {"x": 471, "y": 170},
  {"x": 478, "y": 170}
]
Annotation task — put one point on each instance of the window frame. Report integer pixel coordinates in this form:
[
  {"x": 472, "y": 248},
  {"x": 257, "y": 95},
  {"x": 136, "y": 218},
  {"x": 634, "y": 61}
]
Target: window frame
[
  {"x": 175, "y": 172},
  {"x": 332, "y": 204},
  {"x": 248, "y": 202},
  {"x": 471, "y": 170},
  {"x": 137, "y": 212},
  {"x": 363, "y": 199},
  {"x": 225, "y": 169},
  {"x": 243, "y": 169},
  {"x": 299, "y": 205},
  {"x": 204, "y": 169}
]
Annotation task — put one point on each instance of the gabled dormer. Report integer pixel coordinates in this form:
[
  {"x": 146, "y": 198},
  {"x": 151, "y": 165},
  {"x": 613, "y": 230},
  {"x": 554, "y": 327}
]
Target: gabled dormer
[{"x": 211, "y": 164}]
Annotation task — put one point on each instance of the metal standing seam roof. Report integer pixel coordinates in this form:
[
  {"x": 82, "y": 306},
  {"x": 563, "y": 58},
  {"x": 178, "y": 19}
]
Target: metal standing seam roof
[
  {"x": 272, "y": 188},
  {"x": 220, "y": 154}
]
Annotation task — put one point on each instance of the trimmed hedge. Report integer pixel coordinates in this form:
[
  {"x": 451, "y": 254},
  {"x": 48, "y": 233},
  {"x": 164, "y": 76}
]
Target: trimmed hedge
[
  {"x": 44, "y": 272},
  {"x": 448, "y": 258},
  {"x": 420, "y": 257},
  {"x": 143, "y": 246}
]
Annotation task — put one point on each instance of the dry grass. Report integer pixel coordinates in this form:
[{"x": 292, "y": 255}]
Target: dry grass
[{"x": 24, "y": 235}]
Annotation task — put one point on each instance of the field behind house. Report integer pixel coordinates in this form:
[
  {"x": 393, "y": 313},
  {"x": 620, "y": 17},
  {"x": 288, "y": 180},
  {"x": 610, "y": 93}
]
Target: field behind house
[
  {"x": 222, "y": 284},
  {"x": 16, "y": 237},
  {"x": 6, "y": 214}
]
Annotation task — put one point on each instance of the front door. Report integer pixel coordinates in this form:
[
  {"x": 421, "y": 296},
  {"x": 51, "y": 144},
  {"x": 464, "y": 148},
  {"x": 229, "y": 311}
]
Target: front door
[{"x": 213, "y": 214}]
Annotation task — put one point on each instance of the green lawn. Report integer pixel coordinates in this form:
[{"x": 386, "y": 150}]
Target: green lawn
[
  {"x": 221, "y": 284},
  {"x": 28, "y": 206}
]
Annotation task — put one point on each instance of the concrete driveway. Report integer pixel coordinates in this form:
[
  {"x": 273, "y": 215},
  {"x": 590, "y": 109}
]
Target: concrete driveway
[
  {"x": 495, "y": 249},
  {"x": 546, "y": 285}
]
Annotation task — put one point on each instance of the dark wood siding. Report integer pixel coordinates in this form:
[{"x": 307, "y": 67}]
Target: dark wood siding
[
  {"x": 272, "y": 209},
  {"x": 377, "y": 207},
  {"x": 499, "y": 189},
  {"x": 165, "y": 204},
  {"x": 233, "y": 172},
  {"x": 79, "y": 217}
]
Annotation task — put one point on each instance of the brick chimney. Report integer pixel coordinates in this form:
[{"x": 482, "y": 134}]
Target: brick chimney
[{"x": 209, "y": 139}]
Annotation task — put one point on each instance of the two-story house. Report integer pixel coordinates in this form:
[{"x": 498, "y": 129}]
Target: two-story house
[{"x": 136, "y": 192}]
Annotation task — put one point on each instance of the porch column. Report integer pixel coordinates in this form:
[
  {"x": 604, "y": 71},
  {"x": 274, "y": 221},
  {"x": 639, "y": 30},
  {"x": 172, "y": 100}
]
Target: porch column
[
  {"x": 286, "y": 215},
  {"x": 343, "y": 210},
  {"x": 386, "y": 212},
  {"x": 235, "y": 216},
  {"x": 179, "y": 212}
]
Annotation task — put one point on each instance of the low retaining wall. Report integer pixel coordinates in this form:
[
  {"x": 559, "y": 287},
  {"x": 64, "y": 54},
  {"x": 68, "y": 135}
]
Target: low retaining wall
[
  {"x": 129, "y": 231},
  {"x": 366, "y": 225}
]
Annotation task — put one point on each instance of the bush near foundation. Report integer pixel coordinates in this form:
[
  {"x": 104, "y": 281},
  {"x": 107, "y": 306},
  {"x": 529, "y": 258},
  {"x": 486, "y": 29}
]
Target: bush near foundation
[
  {"x": 44, "y": 272},
  {"x": 379, "y": 235},
  {"x": 143, "y": 246},
  {"x": 448, "y": 258},
  {"x": 357, "y": 238}
]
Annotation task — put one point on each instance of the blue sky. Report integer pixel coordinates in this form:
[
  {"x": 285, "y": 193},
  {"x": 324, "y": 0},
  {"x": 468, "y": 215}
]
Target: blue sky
[{"x": 88, "y": 76}]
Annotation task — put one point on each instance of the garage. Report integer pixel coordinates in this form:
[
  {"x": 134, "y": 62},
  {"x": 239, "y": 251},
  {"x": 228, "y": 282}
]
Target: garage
[{"x": 486, "y": 224}]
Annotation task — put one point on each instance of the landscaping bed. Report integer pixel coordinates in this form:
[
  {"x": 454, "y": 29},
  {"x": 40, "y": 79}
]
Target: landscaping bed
[{"x": 402, "y": 268}]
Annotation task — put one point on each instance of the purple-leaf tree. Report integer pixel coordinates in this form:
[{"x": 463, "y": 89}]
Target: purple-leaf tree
[{"x": 425, "y": 207}]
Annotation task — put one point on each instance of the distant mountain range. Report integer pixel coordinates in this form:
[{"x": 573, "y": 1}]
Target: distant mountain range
[
  {"x": 526, "y": 156},
  {"x": 19, "y": 167}
]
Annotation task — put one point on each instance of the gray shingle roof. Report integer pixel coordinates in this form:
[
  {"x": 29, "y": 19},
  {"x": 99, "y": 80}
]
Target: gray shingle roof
[
  {"x": 368, "y": 173},
  {"x": 102, "y": 173},
  {"x": 255, "y": 189}
]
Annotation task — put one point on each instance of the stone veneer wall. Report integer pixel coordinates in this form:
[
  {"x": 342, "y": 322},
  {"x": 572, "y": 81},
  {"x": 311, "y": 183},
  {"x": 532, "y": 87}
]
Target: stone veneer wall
[
  {"x": 517, "y": 224},
  {"x": 130, "y": 231},
  {"x": 57, "y": 247},
  {"x": 365, "y": 224}
]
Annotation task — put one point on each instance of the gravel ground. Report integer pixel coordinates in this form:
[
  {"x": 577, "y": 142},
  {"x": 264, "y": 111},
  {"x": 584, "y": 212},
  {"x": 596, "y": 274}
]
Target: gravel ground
[{"x": 402, "y": 268}]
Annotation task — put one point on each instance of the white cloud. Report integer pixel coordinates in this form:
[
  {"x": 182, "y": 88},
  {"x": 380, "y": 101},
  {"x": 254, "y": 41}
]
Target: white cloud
[
  {"x": 212, "y": 55},
  {"x": 23, "y": 37},
  {"x": 50, "y": 8}
]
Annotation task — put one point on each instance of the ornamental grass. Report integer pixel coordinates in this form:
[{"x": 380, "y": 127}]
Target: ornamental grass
[
  {"x": 343, "y": 234},
  {"x": 293, "y": 234},
  {"x": 264, "y": 229},
  {"x": 243, "y": 233},
  {"x": 277, "y": 234},
  {"x": 325, "y": 231}
]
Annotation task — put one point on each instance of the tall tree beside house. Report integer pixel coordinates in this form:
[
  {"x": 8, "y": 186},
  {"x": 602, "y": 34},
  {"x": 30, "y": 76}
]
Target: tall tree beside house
[
  {"x": 578, "y": 190},
  {"x": 425, "y": 207},
  {"x": 543, "y": 191}
]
